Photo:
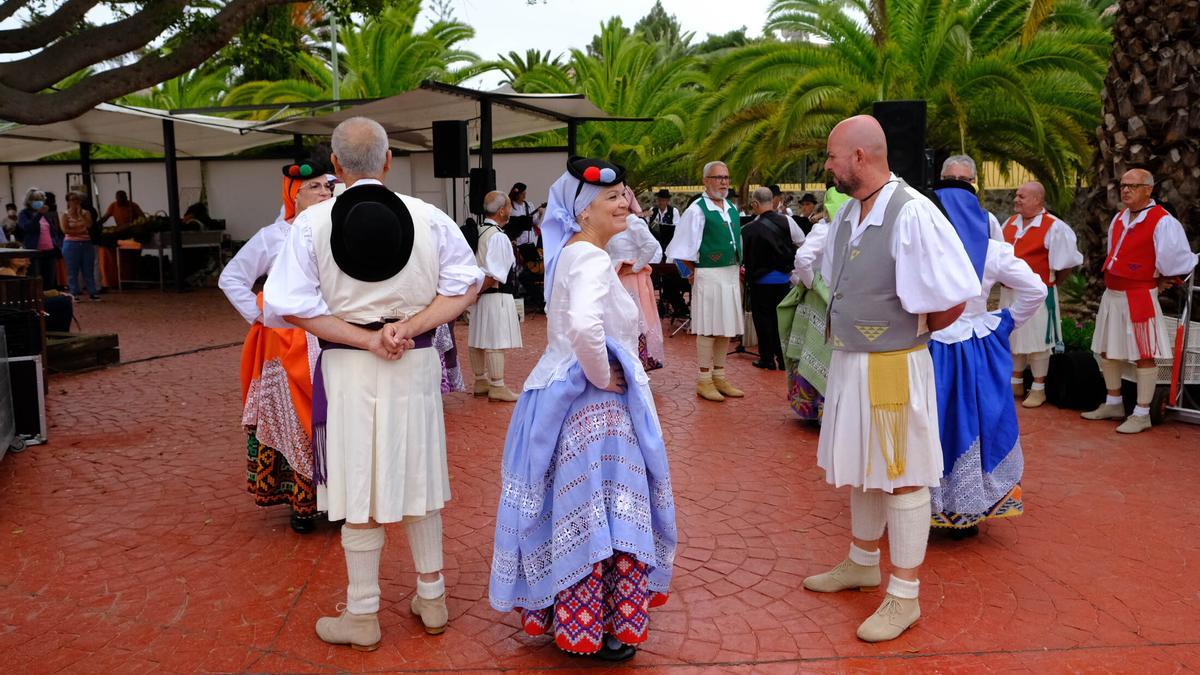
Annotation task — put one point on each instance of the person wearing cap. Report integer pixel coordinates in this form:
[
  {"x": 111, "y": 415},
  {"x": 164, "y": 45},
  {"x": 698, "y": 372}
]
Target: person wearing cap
[
  {"x": 633, "y": 251},
  {"x": 494, "y": 326},
  {"x": 708, "y": 242},
  {"x": 585, "y": 529},
  {"x": 276, "y": 379},
  {"x": 663, "y": 217},
  {"x": 373, "y": 274}
]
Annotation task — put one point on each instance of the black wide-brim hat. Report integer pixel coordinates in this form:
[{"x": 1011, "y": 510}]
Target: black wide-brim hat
[{"x": 372, "y": 234}]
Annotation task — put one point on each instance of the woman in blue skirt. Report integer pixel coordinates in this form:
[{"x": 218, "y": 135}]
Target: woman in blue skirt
[
  {"x": 585, "y": 529},
  {"x": 972, "y": 364}
]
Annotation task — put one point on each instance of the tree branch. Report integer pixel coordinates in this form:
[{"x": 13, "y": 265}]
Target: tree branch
[
  {"x": 43, "y": 32},
  {"x": 34, "y": 108}
]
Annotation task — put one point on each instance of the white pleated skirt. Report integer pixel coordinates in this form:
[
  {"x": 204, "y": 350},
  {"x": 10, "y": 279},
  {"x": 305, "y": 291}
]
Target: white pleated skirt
[
  {"x": 1030, "y": 337},
  {"x": 1114, "y": 330},
  {"x": 717, "y": 302},
  {"x": 848, "y": 445},
  {"x": 494, "y": 323},
  {"x": 385, "y": 438}
]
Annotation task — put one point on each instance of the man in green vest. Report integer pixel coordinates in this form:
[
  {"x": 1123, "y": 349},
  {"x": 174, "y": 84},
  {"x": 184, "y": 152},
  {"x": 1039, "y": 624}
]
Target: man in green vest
[{"x": 708, "y": 242}]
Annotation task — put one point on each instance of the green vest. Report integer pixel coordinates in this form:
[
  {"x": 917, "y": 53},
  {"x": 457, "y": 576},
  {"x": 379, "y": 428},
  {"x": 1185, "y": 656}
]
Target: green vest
[{"x": 721, "y": 245}]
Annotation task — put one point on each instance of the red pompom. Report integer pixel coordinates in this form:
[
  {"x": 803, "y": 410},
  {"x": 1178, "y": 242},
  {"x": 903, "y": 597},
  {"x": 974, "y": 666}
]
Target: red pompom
[
  {"x": 592, "y": 174},
  {"x": 293, "y": 170}
]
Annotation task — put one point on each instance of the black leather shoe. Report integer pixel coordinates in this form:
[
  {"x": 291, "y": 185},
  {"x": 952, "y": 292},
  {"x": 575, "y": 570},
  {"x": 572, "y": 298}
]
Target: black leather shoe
[
  {"x": 765, "y": 365},
  {"x": 622, "y": 653},
  {"x": 303, "y": 524}
]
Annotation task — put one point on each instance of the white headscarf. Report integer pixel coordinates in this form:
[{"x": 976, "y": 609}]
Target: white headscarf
[{"x": 569, "y": 196}]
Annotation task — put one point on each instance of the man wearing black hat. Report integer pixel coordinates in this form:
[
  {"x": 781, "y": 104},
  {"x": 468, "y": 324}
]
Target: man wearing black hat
[
  {"x": 808, "y": 205},
  {"x": 373, "y": 274}
]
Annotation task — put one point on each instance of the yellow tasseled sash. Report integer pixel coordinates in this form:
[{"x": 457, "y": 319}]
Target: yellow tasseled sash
[{"x": 887, "y": 376}]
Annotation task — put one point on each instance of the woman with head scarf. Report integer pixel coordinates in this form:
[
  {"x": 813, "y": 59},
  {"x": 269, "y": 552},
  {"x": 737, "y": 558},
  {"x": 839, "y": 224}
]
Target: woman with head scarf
[
  {"x": 632, "y": 252},
  {"x": 585, "y": 529},
  {"x": 276, "y": 364}
]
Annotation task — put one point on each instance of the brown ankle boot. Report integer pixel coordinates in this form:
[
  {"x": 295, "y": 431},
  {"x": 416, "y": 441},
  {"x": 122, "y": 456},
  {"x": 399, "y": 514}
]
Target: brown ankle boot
[
  {"x": 360, "y": 631},
  {"x": 433, "y": 613}
]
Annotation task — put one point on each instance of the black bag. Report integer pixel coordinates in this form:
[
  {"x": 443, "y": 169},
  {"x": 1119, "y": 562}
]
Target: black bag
[{"x": 1074, "y": 381}]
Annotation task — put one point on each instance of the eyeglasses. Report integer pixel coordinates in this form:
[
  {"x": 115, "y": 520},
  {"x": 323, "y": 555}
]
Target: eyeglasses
[
  {"x": 723, "y": 179},
  {"x": 317, "y": 187},
  {"x": 1134, "y": 186},
  {"x": 965, "y": 179}
]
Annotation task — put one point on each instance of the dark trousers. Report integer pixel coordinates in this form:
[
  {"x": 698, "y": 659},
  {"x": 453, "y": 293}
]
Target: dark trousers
[{"x": 764, "y": 298}]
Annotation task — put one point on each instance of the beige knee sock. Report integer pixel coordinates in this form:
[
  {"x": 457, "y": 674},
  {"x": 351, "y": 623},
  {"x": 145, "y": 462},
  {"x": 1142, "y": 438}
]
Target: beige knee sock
[
  {"x": 704, "y": 351},
  {"x": 1112, "y": 373},
  {"x": 362, "y": 548},
  {"x": 868, "y": 514},
  {"x": 1019, "y": 361},
  {"x": 1147, "y": 381},
  {"x": 425, "y": 540},
  {"x": 720, "y": 351},
  {"x": 478, "y": 363},
  {"x": 1039, "y": 363},
  {"x": 495, "y": 367},
  {"x": 908, "y": 527}
]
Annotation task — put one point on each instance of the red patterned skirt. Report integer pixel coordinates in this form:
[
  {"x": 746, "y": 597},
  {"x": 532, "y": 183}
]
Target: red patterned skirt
[
  {"x": 614, "y": 599},
  {"x": 272, "y": 480}
]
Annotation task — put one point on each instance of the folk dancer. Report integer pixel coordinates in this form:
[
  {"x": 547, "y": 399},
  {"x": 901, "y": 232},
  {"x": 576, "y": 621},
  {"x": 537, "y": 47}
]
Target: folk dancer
[
  {"x": 663, "y": 219},
  {"x": 708, "y": 243},
  {"x": 977, "y": 419},
  {"x": 1148, "y": 251},
  {"x": 373, "y": 274},
  {"x": 585, "y": 530},
  {"x": 633, "y": 250},
  {"x": 1049, "y": 246},
  {"x": 494, "y": 326},
  {"x": 768, "y": 255},
  {"x": 962, "y": 168},
  {"x": 276, "y": 373},
  {"x": 897, "y": 271}
]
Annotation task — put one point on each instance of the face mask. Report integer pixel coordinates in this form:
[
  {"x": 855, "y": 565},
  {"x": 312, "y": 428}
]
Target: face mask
[{"x": 35, "y": 205}]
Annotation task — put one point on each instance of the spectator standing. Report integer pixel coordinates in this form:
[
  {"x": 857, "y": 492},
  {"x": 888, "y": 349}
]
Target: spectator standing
[
  {"x": 37, "y": 232},
  {"x": 77, "y": 248}
]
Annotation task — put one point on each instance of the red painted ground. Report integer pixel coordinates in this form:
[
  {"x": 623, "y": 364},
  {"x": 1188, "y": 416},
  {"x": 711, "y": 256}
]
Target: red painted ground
[{"x": 127, "y": 543}]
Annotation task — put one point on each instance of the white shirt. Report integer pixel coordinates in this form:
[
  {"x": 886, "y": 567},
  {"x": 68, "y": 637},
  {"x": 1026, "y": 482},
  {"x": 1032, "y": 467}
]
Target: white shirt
[
  {"x": 500, "y": 258},
  {"x": 294, "y": 287},
  {"x": 1060, "y": 240},
  {"x": 634, "y": 245},
  {"x": 1001, "y": 267},
  {"x": 689, "y": 230},
  {"x": 933, "y": 272},
  {"x": 1172, "y": 253},
  {"x": 587, "y": 304},
  {"x": 810, "y": 254},
  {"x": 529, "y": 236},
  {"x": 995, "y": 230},
  {"x": 252, "y": 261}
]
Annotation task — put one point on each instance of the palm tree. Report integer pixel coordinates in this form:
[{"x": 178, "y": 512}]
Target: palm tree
[
  {"x": 1002, "y": 83},
  {"x": 515, "y": 65},
  {"x": 196, "y": 89}
]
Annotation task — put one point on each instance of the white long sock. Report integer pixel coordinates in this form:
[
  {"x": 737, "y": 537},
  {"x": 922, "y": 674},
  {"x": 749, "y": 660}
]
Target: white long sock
[
  {"x": 868, "y": 514},
  {"x": 704, "y": 351},
  {"x": 425, "y": 540},
  {"x": 1039, "y": 363},
  {"x": 863, "y": 557},
  {"x": 478, "y": 363},
  {"x": 1112, "y": 373},
  {"x": 908, "y": 527},
  {"x": 1019, "y": 361},
  {"x": 362, "y": 548},
  {"x": 495, "y": 367},
  {"x": 1147, "y": 381},
  {"x": 720, "y": 351},
  {"x": 903, "y": 588}
]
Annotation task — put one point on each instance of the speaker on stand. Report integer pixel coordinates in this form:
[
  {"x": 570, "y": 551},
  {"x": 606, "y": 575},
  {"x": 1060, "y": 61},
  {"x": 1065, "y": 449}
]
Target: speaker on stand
[
  {"x": 903, "y": 124},
  {"x": 450, "y": 159},
  {"x": 481, "y": 183}
]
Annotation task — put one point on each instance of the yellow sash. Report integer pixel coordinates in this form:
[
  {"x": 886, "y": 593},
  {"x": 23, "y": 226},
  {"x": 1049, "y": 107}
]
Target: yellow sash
[{"x": 887, "y": 378}]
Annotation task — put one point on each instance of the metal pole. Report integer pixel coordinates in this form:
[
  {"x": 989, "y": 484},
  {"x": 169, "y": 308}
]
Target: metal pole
[
  {"x": 173, "y": 203},
  {"x": 333, "y": 43},
  {"x": 572, "y": 130},
  {"x": 485, "y": 138},
  {"x": 297, "y": 146},
  {"x": 85, "y": 167}
]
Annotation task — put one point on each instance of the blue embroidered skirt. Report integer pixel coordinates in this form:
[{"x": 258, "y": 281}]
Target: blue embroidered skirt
[{"x": 978, "y": 429}]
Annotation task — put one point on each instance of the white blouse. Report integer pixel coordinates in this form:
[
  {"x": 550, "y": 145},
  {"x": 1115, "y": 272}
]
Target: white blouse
[
  {"x": 294, "y": 287},
  {"x": 689, "y": 230},
  {"x": 1061, "y": 242},
  {"x": 1172, "y": 253},
  {"x": 1001, "y": 267},
  {"x": 500, "y": 258},
  {"x": 933, "y": 272},
  {"x": 811, "y": 252},
  {"x": 634, "y": 245},
  {"x": 252, "y": 261},
  {"x": 587, "y": 304}
]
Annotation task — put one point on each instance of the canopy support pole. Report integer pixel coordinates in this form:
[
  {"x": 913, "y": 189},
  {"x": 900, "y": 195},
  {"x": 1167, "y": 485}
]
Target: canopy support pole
[
  {"x": 173, "y": 203},
  {"x": 85, "y": 167},
  {"x": 572, "y": 137},
  {"x": 485, "y": 135},
  {"x": 297, "y": 147}
]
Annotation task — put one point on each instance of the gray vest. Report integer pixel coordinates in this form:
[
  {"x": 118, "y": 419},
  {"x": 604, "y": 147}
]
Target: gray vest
[{"x": 865, "y": 314}]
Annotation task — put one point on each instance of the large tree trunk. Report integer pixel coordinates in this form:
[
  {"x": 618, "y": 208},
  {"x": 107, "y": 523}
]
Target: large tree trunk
[{"x": 1151, "y": 118}]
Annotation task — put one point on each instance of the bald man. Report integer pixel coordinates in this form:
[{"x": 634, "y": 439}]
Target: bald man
[
  {"x": 708, "y": 241},
  {"x": 1049, "y": 246},
  {"x": 494, "y": 326},
  {"x": 1147, "y": 252},
  {"x": 896, "y": 270}
]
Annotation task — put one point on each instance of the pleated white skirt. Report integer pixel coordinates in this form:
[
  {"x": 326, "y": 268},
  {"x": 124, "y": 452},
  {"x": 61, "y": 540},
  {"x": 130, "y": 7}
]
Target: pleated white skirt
[
  {"x": 848, "y": 445},
  {"x": 1114, "y": 329},
  {"x": 385, "y": 438},
  {"x": 494, "y": 323},
  {"x": 1030, "y": 337},
  {"x": 717, "y": 302}
]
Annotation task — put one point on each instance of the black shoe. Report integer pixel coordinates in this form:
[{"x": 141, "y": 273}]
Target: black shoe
[
  {"x": 303, "y": 524},
  {"x": 958, "y": 534},
  {"x": 765, "y": 365},
  {"x": 622, "y": 653}
]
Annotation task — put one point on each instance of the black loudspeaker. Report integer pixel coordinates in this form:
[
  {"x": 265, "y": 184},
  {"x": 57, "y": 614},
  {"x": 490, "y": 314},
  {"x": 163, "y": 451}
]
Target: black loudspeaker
[
  {"x": 450, "y": 149},
  {"x": 481, "y": 183},
  {"x": 903, "y": 123}
]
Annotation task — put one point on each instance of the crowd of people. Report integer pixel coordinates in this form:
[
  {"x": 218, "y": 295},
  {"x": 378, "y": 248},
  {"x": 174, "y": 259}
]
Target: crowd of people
[{"x": 873, "y": 299}]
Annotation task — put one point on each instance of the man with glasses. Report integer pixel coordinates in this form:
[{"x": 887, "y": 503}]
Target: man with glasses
[
  {"x": 708, "y": 242},
  {"x": 1049, "y": 246},
  {"x": 1147, "y": 252},
  {"x": 962, "y": 167}
]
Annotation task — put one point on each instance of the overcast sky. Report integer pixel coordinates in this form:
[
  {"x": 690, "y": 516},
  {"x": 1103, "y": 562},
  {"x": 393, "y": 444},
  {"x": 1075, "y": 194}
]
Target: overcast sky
[{"x": 502, "y": 26}]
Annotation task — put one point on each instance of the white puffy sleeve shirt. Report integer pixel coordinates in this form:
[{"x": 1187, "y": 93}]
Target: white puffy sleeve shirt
[
  {"x": 995, "y": 231},
  {"x": 635, "y": 245},
  {"x": 1061, "y": 242},
  {"x": 500, "y": 257},
  {"x": 689, "y": 230},
  {"x": 1172, "y": 252},
  {"x": 809, "y": 255},
  {"x": 252, "y": 261},
  {"x": 294, "y": 288},
  {"x": 1001, "y": 267},
  {"x": 933, "y": 272}
]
